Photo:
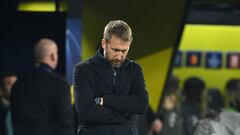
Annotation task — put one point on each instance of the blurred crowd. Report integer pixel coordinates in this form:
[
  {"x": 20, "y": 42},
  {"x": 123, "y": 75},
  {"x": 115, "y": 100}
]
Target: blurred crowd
[
  {"x": 190, "y": 110},
  {"x": 197, "y": 110}
]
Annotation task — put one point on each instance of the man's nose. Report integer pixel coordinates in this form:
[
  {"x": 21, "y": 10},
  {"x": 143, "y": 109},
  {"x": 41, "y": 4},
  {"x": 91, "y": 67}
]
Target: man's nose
[{"x": 118, "y": 55}]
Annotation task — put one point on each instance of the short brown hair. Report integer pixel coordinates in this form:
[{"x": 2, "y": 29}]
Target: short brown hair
[{"x": 118, "y": 28}]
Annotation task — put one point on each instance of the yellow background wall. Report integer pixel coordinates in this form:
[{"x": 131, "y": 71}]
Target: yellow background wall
[
  {"x": 155, "y": 68},
  {"x": 210, "y": 38}
]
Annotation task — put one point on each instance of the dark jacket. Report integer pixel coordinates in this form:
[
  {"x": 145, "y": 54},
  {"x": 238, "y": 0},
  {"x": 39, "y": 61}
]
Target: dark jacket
[
  {"x": 3, "y": 113},
  {"x": 172, "y": 122},
  {"x": 124, "y": 94},
  {"x": 40, "y": 104},
  {"x": 191, "y": 113}
]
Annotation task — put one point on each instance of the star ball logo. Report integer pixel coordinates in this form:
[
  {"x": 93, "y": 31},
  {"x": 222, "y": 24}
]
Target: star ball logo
[
  {"x": 178, "y": 59},
  {"x": 193, "y": 59},
  {"x": 233, "y": 60},
  {"x": 213, "y": 60}
]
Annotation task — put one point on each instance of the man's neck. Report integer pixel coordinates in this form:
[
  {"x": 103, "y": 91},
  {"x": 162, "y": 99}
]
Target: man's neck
[{"x": 44, "y": 66}]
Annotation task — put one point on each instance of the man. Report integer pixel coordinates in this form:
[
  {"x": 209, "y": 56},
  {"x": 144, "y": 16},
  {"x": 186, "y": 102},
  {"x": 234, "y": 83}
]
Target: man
[
  {"x": 109, "y": 88},
  {"x": 168, "y": 111},
  {"x": 190, "y": 109},
  {"x": 6, "y": 82},
  {"x": 40, "y": 100}
]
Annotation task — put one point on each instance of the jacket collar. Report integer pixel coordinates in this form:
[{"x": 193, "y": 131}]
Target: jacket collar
[
  {"x": 104, "y": 69},
  {"x": 43, "y": 67}
]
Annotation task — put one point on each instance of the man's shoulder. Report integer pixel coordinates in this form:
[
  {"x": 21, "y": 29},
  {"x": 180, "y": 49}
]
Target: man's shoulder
[
  {"x": 41, "y": 77},
  {"x": 51, "y": 77},
  {"x": 59, "y": 78},
  {"x": 134, "y": 64}
]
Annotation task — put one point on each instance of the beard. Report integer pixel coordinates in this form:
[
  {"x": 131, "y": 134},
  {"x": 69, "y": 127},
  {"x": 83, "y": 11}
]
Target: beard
[{"x": 115, "y": 63}]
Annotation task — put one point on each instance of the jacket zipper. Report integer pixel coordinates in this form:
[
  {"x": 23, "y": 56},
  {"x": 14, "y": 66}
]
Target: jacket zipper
[{"x": 114, "y": 77}]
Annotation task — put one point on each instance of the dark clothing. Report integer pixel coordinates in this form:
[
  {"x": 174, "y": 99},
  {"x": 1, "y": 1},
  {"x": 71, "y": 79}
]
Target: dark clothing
[
  {"x": 3, "y": 113},
  {"x": 224, "y": 123},
  {"x": 191, "y": 114},
  {"x": 172, "y": 122},
  {"x": 123, "y": 91},
  {"x": 150, "y": 116},
  {"x": 145, "y": 122},
  {"x": 41, "y": 105}
]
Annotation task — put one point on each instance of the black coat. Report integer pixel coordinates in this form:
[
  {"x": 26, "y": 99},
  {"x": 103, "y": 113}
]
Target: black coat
[
  {"x": 40, "y": 104},
  {"x": 123, "y": 96}
]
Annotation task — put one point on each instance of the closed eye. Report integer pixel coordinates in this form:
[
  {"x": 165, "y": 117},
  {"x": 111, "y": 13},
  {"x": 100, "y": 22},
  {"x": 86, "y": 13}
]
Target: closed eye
[{"x": 118, "y": 50}]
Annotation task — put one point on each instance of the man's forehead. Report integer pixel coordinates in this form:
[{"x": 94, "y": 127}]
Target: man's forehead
[{"x": 119, "y": 43}]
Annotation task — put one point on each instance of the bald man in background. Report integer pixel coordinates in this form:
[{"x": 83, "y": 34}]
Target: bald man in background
[{"x": 40, "y": 100}]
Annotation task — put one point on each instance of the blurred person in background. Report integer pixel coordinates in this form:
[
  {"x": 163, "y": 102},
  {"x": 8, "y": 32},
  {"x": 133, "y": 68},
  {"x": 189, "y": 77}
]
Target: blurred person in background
[
  {"x": 191, "y": 106},
  {"x": 214, "y": 102},
  {"x": 226, "y": 121},
  {"x": 168, "y": 112},
  {"x": 149, "y": 123},
  {"x": 40, "y": 100},
  {"x": 7, "y": 80},
  {"x": 154, "y": 122},
  {"x": 232, "y": 95}
]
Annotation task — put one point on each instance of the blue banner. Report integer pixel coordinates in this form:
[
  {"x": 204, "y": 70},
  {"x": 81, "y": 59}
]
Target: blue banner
[{"x": 73, "y": 46}]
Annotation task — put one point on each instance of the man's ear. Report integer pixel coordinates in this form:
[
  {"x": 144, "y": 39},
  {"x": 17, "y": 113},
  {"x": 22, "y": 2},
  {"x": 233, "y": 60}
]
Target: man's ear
[
  {"x": 104, "y": 44},
  {"x": 52, "y": 57}
]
